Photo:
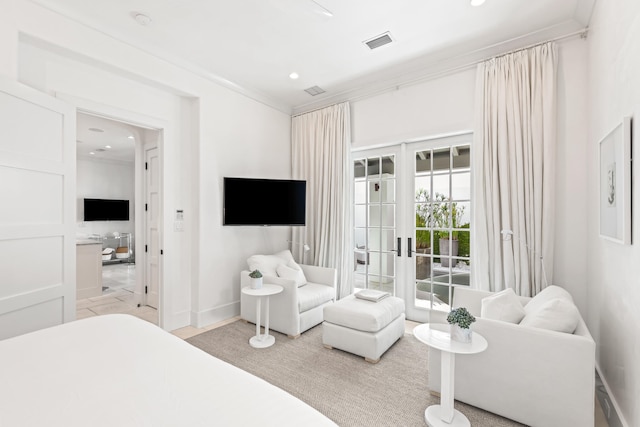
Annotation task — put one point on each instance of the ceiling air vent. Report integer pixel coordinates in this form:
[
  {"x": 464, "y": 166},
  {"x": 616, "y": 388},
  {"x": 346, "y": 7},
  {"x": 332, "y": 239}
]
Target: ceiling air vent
[
  {"x": 378, "y": 41},
  {"x": 315, "y": 90}
]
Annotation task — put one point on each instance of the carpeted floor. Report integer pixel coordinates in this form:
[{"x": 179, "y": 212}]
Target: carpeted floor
[{"x": 340, "y": 385}]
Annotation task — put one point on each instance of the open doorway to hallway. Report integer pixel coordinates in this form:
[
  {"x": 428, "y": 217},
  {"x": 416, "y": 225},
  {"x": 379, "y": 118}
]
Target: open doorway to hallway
[{"x": 111, "y": 175}]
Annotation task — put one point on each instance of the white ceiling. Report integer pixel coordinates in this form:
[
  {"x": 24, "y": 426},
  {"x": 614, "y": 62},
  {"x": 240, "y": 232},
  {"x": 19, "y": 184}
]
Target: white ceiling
[
  {"x": 115, "y": 142},
  {"x": 253, "y": 45}
]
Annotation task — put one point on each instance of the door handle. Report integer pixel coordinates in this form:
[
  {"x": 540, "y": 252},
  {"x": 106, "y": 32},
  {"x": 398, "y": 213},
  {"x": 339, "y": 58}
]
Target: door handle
[
  {"x": 399, "y": 246},
  {"x": 409, "y": 251}
]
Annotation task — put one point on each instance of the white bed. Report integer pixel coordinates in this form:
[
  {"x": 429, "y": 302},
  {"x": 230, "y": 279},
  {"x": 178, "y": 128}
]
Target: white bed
[{"x": 118, "y": 370}]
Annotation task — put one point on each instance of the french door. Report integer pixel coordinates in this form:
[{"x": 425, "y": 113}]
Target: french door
[{"x": 411, "y": 216}]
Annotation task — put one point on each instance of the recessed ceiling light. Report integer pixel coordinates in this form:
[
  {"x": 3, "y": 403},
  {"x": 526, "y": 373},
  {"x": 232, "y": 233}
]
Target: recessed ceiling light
[
  {"x": 92, "y": 153},
  {"x": 477, "y": 2},
  {"x": 130, "y": 137},
  {"x": 293, "y": 76},
  {"x": 142, "y": 19},
  {"x": 96, "y": 130},
  {"x": 107, "y": 146}
]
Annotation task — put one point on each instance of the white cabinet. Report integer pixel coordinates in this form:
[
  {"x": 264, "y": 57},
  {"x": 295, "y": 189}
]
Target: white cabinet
[{"x": 88, "y": 269}]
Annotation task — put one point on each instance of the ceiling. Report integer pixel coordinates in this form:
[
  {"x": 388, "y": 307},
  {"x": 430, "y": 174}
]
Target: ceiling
[
  {"x": 253, "y": 45},
  {"x": 98, "y": 138}
]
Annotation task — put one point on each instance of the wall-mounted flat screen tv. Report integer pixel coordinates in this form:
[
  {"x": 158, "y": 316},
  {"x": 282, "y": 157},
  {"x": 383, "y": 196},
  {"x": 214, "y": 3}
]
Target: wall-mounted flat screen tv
[
  {"x": 250, "y": 201},
  {"x": 106, "y": 210}
]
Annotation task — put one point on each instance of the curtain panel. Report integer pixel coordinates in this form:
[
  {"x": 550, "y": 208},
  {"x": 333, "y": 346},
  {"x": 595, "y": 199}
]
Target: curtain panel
[
  {"x": 320, "y": 152},
  {"x": 514, "y": 164}
]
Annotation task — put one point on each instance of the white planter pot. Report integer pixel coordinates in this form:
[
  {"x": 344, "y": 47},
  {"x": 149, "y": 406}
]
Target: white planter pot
[
  {"x": 460, "y": 334},
  {"x": 256, "y": 283}
]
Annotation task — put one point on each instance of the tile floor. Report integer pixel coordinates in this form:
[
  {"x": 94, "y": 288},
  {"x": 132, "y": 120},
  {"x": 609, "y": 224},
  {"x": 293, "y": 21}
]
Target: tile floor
[{"x": 117, "y": 297}]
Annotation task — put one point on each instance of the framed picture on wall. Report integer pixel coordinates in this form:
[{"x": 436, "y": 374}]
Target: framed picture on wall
[{"x": 615, "y": 184}]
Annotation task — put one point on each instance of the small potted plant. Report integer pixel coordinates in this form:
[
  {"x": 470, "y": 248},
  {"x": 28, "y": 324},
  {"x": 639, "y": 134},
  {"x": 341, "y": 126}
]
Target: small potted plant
[
  {"x": 460, "y": 320},
  {"x": 256, "y": 279}
]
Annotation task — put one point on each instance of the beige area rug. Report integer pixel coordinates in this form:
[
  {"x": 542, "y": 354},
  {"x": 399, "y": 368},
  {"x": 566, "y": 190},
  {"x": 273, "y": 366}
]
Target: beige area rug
[{"x": 340, "y": 385}]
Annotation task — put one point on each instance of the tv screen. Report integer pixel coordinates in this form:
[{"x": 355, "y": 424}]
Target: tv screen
[
  {"x": 106, "y": 210},
  {"x": 249, "y": 201}
]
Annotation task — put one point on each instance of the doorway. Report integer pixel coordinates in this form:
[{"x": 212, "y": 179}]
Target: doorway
[
  {"x": 412, "y": 214},
  {"x": 112, "y": 165}
]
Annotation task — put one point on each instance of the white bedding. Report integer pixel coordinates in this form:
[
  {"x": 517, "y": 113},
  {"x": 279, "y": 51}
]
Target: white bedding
[{"x": 118, "y": 370}]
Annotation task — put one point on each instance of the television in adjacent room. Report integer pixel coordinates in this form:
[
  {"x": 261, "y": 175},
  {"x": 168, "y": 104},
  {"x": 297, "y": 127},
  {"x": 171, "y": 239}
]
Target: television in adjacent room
[
  {"x": 106, "y": 210},
  {"x": 251, "y": 201}
]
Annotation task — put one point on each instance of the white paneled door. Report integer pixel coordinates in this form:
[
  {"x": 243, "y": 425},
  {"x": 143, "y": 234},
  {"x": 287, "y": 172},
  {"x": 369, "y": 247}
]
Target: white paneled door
[
  {"x": 37, "y": 210},
  {"x": 152, "y": 224}
]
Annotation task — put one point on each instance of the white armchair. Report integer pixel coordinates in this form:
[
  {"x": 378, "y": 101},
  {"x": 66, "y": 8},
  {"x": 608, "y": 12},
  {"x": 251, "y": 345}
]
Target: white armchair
[
  {"x": 539, "y": 377},
  {"x": 298, "y": 307}
]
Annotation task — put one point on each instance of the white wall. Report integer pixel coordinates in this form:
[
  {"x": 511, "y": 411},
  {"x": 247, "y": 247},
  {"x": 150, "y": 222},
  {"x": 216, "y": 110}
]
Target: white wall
[
  {"x": 233, "y": 135},
  {"x": 100, "y": 179},
  {"x": 614, "y": 269},
  {"x": 446, "y": 105}
]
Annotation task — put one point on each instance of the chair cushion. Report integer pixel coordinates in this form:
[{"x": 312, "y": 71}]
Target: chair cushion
[
  {"x": 558, "y": 314},
  {"x": 504, "y": 306},
  {"x": 292, "y": 271},
  {"x": 367, "y": 316},
  {"x": 312, "y": 295},
  {"x": 546, "y": 295},
  {"x": 267, "y": 264}
]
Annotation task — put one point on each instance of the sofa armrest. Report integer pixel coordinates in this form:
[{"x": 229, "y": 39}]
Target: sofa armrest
[{"x": 320, "y": 275}]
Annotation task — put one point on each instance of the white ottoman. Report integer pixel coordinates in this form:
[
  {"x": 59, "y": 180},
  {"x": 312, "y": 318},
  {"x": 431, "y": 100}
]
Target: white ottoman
[{"x": 363, "y": 327}]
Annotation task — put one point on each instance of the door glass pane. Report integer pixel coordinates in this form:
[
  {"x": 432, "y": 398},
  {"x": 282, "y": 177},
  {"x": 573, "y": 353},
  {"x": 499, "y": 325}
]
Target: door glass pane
[
  {"x": 441, "y": 159},
  {"x": 388, "y": 240},
  {"x": 374, "y": 239},
  {"x": 373, "y": 166},
  {"x": 441, "y": 186},
  {"x": 461, "y": 157},
  {"x": 388, "y": 191},
  {"x": 388, "y": 165},
  {"x": 359, "y": 169},
  {"x": 360, "y": 192},
  {"x": 423, "y": 161},
  {"x": 360, "y": 216},
  {"x": 374, "y": 192},
  {"x": 461, "y": 186},
  {"x": 423, "y": 264}
]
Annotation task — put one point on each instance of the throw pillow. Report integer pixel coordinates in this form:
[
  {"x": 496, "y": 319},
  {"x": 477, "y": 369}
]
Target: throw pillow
[
  {"x": 295, "y": 274},
  {"x": 558, "y": 314},
  {"x": 504, "y": 306},
  {"x": 267, "y": 264},
  {"x": 547, "y": 294}
]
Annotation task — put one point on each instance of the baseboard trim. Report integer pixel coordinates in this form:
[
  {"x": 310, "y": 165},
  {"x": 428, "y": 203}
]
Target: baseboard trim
[
  {"x": 214, "y": 315},
  {"x": 614, "y": 419}
]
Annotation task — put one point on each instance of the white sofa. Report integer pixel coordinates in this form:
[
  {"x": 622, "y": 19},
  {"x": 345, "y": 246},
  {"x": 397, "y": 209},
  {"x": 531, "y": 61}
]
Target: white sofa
[
  {"x": 535, "y": 376},
  {"x": 298, "y": 307}
]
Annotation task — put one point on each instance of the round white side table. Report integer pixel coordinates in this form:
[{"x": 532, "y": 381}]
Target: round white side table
[
  {"x": 262, "y": 340},
  {"x": 438, "y": 337}
]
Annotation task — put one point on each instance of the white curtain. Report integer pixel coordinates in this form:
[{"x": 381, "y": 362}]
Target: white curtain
[
  {"x": 320, "y": 150},
  {"x": 514, "y": 163}
]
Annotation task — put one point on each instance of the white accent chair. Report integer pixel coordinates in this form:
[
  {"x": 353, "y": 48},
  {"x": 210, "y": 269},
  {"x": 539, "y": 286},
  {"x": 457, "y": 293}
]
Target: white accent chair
[
  {"x": 300, "y": 306},
  {"x": 536, "y": 376}
]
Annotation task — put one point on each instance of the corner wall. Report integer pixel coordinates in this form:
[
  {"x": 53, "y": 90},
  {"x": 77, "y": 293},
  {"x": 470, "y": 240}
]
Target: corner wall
[{"x": 613, "y": 269}]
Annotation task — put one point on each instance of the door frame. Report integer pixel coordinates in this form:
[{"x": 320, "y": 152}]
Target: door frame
[
  {"x": 147, "y": 122},
  {"x": 405, "y": 273}
]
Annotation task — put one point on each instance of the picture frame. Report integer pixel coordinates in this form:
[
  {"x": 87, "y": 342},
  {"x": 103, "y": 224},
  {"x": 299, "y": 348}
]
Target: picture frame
[{"x": 615, "y": 184}]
